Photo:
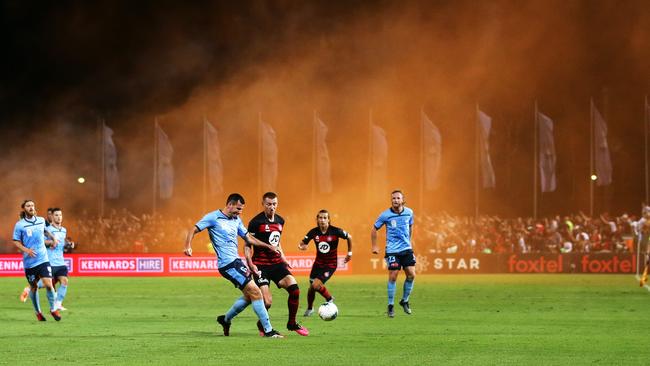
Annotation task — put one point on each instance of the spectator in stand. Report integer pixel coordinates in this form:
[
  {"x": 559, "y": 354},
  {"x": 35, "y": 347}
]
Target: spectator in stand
[{"x": 120, "y": 231}]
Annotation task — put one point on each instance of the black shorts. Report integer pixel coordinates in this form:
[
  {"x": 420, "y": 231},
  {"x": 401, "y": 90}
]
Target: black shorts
[
  {"x": 42, "y": 270},
  {"x": 59, "y": 271},
  {"x": 237, "y": 273},
  {"x": 273, "y": 272},
  {"x": 322, "y": 273},
  {"x": 397, "y": 261}
]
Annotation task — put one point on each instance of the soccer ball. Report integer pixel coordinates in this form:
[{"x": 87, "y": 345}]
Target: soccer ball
[{"x": 328, "y": 311}]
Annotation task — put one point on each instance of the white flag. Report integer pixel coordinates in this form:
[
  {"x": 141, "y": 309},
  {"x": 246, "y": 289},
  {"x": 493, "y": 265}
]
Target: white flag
[
  {"x": 323, "y": 169},
  {"x": 215, "y": 166},
  {"x": 165, "y": 166},
  {"x": 487, "y": 172},
  {"x": 110, "y": 165},
  {"x": 601, "y": 150},
  {"x": 269, "y": 157},
  {"x": 431, "y": 152},
  {"x": 379, "y": 159},
  {"x": 547, "y": 157}
]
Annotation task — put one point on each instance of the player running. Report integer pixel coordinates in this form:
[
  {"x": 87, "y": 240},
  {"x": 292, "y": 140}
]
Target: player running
[
  {"x": 29, "y": 238},
  {"x": 223, "y": 227},
  {"x": 399, "y": 252},
  {"x": 326, "y": 238},
  {"x": 271, "y": 265},
  {"x": 643, "y": 232},
  {"x": 55, "y": 254}
]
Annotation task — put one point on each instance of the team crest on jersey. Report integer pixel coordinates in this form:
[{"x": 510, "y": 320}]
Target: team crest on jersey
[
  {"x": 393, "y": 223},
  {"x": 29, "y": 232}
]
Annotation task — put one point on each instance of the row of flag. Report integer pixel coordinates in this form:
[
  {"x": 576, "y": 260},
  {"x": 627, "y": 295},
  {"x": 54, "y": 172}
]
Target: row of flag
[
  {"x": 546, "y": 156},
  {"x": 163, "y": 166},
  {"x": 430, "y": 158}
]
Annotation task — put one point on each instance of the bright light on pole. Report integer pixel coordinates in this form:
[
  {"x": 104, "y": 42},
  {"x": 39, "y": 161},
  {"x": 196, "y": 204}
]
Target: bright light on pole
[
  {"x": 81, "y": 180},
  {"x": 594, "y": 177}
]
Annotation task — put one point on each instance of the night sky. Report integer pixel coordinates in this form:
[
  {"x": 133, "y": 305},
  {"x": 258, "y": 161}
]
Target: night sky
[{"x": 67, "y": 64}]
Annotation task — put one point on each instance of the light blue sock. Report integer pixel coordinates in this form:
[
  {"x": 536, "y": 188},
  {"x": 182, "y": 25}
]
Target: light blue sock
[
  {"x": 262, "y": 314},
  {"x": 391, "y": 292},
  {"x": 51, "y": 295},
  {"x": 60, "y": 295},
  {"x": 408, "y": 286},
  {"x": 237, "y": 307},
  {"x": 35, "y": 300}
]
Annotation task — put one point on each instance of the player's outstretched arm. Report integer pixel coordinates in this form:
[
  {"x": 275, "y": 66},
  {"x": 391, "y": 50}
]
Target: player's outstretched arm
[
  {"x": 52, "y": 241},
  {"x": 251, "y": 240},
  {"x": 248, "y": 253},
  {"x": 24, "y": 249},
  {"x": 188, "y": 240},
  {"x": 302, "y": 245},
  {"x": 283, "y": 257},
  {"x": 373, "y": 240},
  {"x": 348, "y": 257}
]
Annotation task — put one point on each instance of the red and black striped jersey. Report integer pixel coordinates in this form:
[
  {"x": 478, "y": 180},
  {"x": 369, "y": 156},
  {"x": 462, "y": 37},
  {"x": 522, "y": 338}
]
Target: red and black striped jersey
[
  {"x": 268, "y": 232},
  {"x": 326, "y": 244}
]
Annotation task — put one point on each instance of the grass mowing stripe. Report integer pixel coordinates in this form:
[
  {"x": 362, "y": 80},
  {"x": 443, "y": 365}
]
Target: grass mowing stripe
[{"x": 478, "y": 319}]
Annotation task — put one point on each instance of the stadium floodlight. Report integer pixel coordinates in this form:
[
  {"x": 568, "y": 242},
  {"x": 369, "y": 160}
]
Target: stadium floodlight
[
  {"x": 594, "y": 177},
  {"x": 81, "y": 180}
]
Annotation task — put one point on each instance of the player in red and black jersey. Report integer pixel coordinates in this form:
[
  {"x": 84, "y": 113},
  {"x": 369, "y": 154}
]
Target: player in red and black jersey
[
  {"x": 268, "y": 265},
  {"x": 326, "y": 237}
]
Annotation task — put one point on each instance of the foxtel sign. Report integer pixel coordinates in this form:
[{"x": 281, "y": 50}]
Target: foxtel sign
[{"x": 572, "y": 263}]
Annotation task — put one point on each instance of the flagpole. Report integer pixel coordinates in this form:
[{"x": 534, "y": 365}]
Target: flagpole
[
  {"x": 603, "y": 195},
  {"x": 421, "y": 160},
  {"x": 155, "y": 163},
  {"x": 313, "y": 161},
  {"x": 205, "y": 150},
  {"x": 535, "y": 159},
  {"x": 591, "y": 158},
  {"x": 645, "y": 130},
  {"x": 476, "y": 162},
  {"x": 103, "y": 167},
  {"x": 259, "y": 153},
  {"x": 370, "y": 157}
]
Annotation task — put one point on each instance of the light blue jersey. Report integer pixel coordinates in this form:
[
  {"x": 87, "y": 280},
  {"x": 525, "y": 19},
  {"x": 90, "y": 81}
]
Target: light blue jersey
[
  {"x": 31, "y": 233},
  {"x": 56, "y": 254},
  {"x": 398, "y": 229},
  {"x": 223, "y": 235}
]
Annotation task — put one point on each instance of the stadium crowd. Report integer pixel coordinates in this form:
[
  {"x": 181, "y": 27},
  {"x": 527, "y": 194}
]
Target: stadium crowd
[
  {"x": 125, "y": 232},
  {"x": 444, "y": 233}
]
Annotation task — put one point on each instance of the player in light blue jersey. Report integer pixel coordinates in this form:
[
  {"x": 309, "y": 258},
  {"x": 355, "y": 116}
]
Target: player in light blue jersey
[
  {"x": 29, "y": 238},
  {"x": 223, "y": 227},
  {"x": 398, "y": 220},
  {"x": 55, "y": 254}
]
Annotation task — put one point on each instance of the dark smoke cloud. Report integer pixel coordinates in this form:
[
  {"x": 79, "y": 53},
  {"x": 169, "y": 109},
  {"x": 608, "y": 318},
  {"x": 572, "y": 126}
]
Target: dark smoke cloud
[{"x": 71, "y": 63}]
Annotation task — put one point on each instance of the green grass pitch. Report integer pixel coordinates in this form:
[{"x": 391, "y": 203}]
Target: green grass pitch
[{"x": 456, "y": 320}]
